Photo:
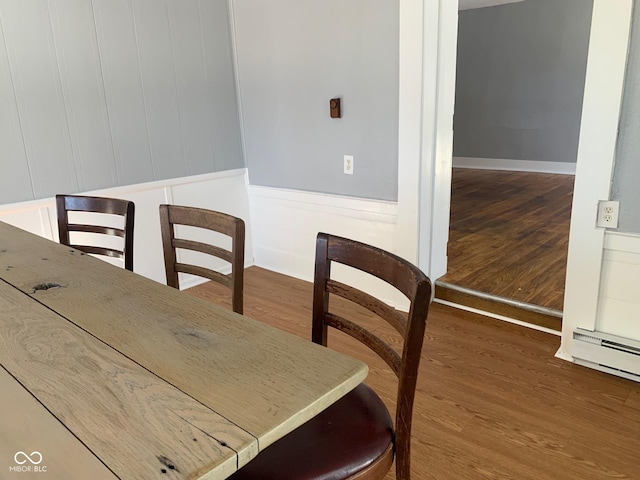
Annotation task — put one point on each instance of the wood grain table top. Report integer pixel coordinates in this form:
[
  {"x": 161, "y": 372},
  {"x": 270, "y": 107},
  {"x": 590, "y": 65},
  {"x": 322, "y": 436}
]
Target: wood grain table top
[{"x": 135, "y": 380}]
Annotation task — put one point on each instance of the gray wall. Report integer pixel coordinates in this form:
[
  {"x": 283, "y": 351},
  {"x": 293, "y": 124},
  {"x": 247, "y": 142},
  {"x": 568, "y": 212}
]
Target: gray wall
[
  {"x": 626, "y": 176},
  {"x": 520, "y": 80},
  {"x": 101, "y": 93},
  {"x": 293, "y": 56}
]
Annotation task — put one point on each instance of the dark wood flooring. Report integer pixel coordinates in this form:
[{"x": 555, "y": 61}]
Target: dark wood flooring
[
  {"x": 509, "y": 234},
  {"x": 492, "y": 402}
]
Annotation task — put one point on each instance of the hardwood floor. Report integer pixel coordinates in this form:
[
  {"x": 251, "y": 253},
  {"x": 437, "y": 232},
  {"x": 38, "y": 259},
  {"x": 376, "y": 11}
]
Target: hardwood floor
[
  {"x": 492, "y": 401},
  {"x": 509, "y": 234}
]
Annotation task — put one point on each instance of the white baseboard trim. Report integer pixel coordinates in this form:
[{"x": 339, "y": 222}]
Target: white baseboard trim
[
  {"x": 295, "y": 265},
  {"x": 497, "y": 316},
  {"x": 561, "y": 168},
  {"x": 191, "y": 282}
]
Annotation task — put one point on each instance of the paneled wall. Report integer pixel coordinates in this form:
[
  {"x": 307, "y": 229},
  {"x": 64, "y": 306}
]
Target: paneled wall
[{"x": 104, "y": 93}]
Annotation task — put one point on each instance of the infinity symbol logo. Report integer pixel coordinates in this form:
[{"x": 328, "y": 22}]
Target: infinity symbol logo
[{"x": 31, "y": 458}]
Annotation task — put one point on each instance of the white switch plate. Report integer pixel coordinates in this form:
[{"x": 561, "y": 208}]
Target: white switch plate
[
  {"x": 348, "y": 164},
  {"x": 608, "y": 214}
]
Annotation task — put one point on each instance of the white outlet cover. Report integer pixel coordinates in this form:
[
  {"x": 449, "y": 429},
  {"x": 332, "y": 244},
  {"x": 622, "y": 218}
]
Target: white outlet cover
[
  {"x": 608, "y": 214},
  {"x": 348, "y": 164}
]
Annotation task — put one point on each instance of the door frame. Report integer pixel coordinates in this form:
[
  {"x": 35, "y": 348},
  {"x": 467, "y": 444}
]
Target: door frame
[
  {"x": 603, "y": 94},
  {"x": 428, "y": 40},
  {"x": 427, "y": 77}
]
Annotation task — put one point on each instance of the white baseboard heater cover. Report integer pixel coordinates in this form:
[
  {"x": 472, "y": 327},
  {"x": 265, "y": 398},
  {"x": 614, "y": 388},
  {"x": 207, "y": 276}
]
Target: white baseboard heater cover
[{"x": 608, "y": 353}]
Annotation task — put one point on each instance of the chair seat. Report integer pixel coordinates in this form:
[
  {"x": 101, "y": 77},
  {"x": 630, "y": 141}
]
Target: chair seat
[{"x": 339, "y": 442}]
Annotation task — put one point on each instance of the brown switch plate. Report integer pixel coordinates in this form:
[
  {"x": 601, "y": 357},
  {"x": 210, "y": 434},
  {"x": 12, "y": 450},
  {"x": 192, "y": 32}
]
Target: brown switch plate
[{"x": 334, "y": 106}]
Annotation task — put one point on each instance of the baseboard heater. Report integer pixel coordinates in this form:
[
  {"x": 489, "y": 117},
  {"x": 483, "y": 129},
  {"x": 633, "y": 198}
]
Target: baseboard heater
[{"x": 608, "y": 353}]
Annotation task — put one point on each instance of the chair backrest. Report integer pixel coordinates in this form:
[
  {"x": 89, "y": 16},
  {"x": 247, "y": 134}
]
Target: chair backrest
[
  {"x": 111, "y": 206},
  {"x": 406, "y": 278},
  {"x": 229, "y": 225}
]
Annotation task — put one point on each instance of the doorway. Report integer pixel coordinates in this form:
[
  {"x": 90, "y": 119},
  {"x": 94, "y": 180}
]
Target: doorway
[
  {"x": 520, "y": 82},
  {"x": 508, "y": 242},
  {"x": 428, "y": 36}
]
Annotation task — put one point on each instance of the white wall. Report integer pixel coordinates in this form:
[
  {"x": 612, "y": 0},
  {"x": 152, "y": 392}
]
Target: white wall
[{"x": 102, "y": 93}]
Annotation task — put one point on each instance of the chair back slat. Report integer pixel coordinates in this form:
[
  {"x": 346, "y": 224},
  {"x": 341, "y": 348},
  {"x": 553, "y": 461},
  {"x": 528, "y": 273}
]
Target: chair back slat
[
  {"x": 406, "y": 278},
  {"x": 371, "y": 303},
  {"x": 203, "y": 218},
  {"x": 83, "y": 203},
  {"x": 105, "y": 252},
  {"x": 174, "y": 215},
  {"x": 117, "y": 232},
  {"x": 204, "y": 273},
  {"x": 371, "y": 340},
  {"x": 381, "y": 264},
  {"x": 203, "y": 248},
  {"x": 103, "y": 205}
]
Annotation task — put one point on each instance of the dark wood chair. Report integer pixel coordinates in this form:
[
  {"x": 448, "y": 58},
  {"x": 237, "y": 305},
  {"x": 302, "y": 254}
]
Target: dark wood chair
[
  {"x": 110, "y": 206},
  {"x": 355, "y": 437},
  {"x": 171, "y": 215}
]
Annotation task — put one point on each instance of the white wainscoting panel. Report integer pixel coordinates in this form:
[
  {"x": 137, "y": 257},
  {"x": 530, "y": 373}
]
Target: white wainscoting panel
[
  {"x": 228, "y": 195},
  {"x": 285, "y": 224},
  {"x": 561, "y": 168},
  {"x": 619, "y": 302},
  {"x": 222, "y": 191},
  {"x": 32, "y": 216}
]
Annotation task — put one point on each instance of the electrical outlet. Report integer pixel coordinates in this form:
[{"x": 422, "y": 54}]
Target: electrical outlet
[
  {"x": 348, "y": 164},
  {"x": 608, "y": 214}
]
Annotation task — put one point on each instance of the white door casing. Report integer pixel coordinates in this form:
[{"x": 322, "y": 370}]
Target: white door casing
[
  {"x": 428, "y": 40},
  {"x": 604, "y": 84}
]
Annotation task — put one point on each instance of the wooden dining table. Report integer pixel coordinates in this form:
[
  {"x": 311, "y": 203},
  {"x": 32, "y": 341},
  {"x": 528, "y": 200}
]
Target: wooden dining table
[{"x": 108, "y": 375}]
